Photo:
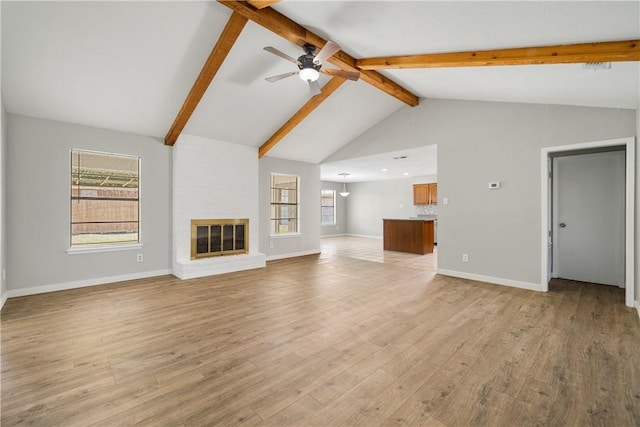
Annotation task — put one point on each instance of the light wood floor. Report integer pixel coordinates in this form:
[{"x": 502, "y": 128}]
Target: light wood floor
[{"x": 326, "y": 340}]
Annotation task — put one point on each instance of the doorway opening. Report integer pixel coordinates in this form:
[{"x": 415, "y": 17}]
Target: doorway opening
[{"x": 550, "y": 234}]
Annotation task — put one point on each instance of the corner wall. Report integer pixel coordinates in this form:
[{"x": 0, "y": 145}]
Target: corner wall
[
  {"x": 38, "y": 198},
  {"x": 308, "y": 241},
  {"x": 479, "y": 142}
]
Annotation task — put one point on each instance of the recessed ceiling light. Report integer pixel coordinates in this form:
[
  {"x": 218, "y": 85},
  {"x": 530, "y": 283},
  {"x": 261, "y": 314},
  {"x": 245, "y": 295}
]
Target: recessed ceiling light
[
  {"x": 406, "y": 174},
  {"x": 384, "y": 170}
]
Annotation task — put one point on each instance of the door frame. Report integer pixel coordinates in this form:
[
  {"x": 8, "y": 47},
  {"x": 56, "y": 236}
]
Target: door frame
[{"x": 629, "y": 143}]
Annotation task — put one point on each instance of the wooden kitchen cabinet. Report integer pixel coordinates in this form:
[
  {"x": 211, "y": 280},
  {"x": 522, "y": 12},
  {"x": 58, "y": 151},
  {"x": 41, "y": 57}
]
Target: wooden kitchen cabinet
[
  {"x": 425, "y": 194},
  {"x": 408, "y": 235},
  {"x": 420, "y": 194},
  {"x": 433, "y": 193}
]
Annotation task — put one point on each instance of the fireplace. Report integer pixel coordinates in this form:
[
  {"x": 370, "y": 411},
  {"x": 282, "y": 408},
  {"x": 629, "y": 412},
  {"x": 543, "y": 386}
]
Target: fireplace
[{"x": 219, "y": 237}]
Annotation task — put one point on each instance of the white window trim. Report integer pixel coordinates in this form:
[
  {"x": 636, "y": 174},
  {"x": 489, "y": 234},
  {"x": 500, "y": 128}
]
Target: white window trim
[
  {"x": 111, "y": 247},
  {"x": 299, "y": 205},
  {"x": 335, "y": 208},
  {"x": 284, "y": 235}
]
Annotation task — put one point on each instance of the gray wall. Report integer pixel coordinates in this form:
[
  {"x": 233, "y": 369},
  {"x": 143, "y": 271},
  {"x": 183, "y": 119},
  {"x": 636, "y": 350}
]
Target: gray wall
[
  {"x": 370, "y": 202},
  {"x": 308, "y": 241},
  {"x": 38, "y": 204},
  {"x": 3, "y": 204},
  {"x": 479, "y": 142},
  {"x": 637, "y": 224},
  {"x": 3, "y": 183},
  {"x": 340, "y": 227}
]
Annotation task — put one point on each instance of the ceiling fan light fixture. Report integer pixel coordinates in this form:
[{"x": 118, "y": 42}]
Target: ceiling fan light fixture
[{"x": 309, "y": 74}]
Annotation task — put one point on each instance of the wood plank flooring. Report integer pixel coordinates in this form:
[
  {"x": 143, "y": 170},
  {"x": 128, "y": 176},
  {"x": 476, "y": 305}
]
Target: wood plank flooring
[{"x": 352, "y": 337}]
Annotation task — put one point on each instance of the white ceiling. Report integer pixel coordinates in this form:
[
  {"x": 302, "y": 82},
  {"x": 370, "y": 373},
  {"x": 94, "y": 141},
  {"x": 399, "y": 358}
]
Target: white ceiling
[
  {"x": 128, "y": 66},
  {"x": 393, "y": 165}
]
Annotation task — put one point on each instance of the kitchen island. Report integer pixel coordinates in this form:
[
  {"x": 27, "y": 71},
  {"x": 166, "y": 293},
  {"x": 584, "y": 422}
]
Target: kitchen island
[{"x": 413, "y": 235}]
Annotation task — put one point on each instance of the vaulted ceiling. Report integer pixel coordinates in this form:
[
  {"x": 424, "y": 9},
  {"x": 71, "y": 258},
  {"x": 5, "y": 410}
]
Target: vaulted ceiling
[{"x": 131, "y": 66}]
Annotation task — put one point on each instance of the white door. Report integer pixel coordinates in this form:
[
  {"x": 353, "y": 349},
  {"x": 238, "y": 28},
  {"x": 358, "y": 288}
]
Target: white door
[{"x": 589, "y": 217}]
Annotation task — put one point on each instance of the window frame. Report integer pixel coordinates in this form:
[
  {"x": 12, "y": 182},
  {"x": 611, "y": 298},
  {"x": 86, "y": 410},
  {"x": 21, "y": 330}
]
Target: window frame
[
  {"x": 273, "y": 232},
  {"x": 333, "y": 205},
  {"x": 102, "y": 246}
]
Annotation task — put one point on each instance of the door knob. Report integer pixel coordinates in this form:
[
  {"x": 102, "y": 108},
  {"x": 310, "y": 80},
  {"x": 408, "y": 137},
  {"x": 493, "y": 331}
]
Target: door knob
[{"x": 563, "y": 225}]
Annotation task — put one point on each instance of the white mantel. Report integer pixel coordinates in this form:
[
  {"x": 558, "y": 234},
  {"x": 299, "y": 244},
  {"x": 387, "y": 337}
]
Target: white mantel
[{"x": 213, "y": 179}]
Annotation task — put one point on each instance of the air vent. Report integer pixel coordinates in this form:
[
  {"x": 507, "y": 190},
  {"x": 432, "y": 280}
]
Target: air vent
[
  {"x": 400, "y": 157},
  {"x": 596, "y": 66}
]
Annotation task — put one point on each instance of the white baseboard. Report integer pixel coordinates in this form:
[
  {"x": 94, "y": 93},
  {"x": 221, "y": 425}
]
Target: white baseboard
[
  {"x": 638, "y": 307},
  {"x": 4, "y": 299},
  {"x": 493, "y": 280},
  {"x": 332, "y": 235},
  {"x": 192, "y": 269},
  {"x": 293, "y": 254},
  {"x": 364, "y": 235},
  {"x": 12, "y": 293}
]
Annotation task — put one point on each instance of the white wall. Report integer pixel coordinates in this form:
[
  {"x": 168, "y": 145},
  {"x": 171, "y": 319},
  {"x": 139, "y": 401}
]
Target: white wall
[
  {"x": 308, "y": 241},
  {"x": 340, "y": 227},
  {"x": 37, "y": 214},
  {"x": 479, "y": 142},
  {"x": 213, "y": 180}
]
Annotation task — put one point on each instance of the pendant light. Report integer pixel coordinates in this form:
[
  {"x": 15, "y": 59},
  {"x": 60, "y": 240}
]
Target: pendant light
[{"x": 344, "y": 192}]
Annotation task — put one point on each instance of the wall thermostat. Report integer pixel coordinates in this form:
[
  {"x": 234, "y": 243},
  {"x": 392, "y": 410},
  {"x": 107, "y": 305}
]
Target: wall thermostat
[{"x": 494, "y": 185}]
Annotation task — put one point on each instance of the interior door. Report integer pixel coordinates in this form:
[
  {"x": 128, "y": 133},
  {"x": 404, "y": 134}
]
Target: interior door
[{"x": 589, "y": 217}]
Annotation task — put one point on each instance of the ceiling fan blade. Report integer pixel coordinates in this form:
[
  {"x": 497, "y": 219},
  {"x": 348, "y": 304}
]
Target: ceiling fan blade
[
  {"x": 351, "y": 75},
  {"x": 281, "y": 54},
  {"x": 326, "y": 52},
  {"x": 281, "y": 76},
  {"x": 314, "y": 88}
]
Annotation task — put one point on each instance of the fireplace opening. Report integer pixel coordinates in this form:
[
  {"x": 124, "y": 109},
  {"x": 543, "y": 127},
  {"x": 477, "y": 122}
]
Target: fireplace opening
[{"x": 217, "y": 237}]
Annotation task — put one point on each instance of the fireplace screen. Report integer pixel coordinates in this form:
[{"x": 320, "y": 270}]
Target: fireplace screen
[{"x": 215, "y": 237}]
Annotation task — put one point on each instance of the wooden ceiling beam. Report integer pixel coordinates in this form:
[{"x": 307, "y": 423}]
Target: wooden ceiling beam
[
  {"x": 301, "y": 114},
  {"x": 261, "y": 4},
  {"x": 615, "y": 51},
  {"x": 217, "y": 56},
  {"x": 297, "y": 34}
]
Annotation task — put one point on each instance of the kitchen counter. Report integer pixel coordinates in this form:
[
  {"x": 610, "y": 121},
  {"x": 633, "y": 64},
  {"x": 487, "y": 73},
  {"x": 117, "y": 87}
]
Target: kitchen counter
[{"x": 413, "y": 235}]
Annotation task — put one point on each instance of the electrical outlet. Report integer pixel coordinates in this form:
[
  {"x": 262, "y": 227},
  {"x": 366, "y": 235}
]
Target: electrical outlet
[
  {"x": 139, "y": 258},
  {"x": 465, "y": 257},
  {"x": 445, "y": 201},
  {"x": 270, "y": 245}
]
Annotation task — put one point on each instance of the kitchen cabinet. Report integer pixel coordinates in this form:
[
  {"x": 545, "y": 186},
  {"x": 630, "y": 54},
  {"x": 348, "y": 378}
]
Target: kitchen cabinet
[
  {"x": 408, "y": 235},
  {"x": 425, "y": 194},
  {"x": 420, "y": 194},
  {"x": 433, "y": 193}
]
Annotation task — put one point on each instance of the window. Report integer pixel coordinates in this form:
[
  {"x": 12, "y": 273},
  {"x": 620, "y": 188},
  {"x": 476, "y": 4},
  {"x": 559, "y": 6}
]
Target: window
[
  {"x": 284, "y": 204},
  {"x": 105, "y": 201},
  {"x": 328, "y": 207}
]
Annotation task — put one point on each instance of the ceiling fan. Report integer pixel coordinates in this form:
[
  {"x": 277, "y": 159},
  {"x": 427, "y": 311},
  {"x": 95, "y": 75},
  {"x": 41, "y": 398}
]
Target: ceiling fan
[{"x": 310, "y": 65}]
